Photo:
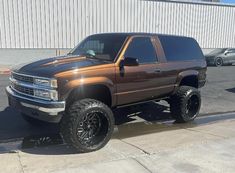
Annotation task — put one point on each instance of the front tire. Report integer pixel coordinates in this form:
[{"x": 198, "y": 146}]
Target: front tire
[
  {"x": 87, "y": 125},
  {"x": 218, "y": 62},
  {"x": 185, "y": 104}
]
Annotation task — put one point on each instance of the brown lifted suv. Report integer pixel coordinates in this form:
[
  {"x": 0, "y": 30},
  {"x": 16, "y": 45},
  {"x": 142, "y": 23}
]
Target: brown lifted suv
[{"x": 104, "y": 72}]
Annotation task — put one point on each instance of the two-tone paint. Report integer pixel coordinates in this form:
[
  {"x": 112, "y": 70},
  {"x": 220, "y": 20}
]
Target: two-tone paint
[
  {"x": 138, "y": 83},
  {"x": 125, "y": 84}
]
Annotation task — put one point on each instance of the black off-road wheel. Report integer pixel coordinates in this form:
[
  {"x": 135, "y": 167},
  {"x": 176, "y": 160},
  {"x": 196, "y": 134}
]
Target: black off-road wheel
[
  {"x": 33, "y": 121},
  {"x": 87, "y": 125},
  {"x": 185, "y": 104},
  {"x": 218, "y": 62}
]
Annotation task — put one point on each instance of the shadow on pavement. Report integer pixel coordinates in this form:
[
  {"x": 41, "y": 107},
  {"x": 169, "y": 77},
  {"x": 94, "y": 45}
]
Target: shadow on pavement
[
  {"x": 131, "y": 122},
  {"x": 142, "y": 128},
  {"x": 130, "y": 130},
  {"x": 13, "y": 126},
  {"x": 151, "y": 111},
  {"x": 232, "y": 90}
]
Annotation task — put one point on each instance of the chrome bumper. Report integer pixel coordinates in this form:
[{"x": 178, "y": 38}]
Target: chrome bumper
[{"x": 49, "y": 107}]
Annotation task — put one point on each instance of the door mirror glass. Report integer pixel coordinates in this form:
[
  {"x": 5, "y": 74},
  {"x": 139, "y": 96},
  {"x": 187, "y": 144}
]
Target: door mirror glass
[{"x": 130, "y": 61}]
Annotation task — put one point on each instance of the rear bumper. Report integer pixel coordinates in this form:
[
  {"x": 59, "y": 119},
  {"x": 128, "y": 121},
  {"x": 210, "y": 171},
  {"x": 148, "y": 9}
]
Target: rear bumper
[{"x": 49, "y": 111}]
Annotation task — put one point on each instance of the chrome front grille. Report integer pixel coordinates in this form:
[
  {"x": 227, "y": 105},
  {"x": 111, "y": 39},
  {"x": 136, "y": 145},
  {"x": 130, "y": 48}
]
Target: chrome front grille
[
  {"x": 16, "y": 79},
  {"x": 28, "y": 85},
  {"x": 22, "y": 78},
  {"x": 22, "y": 89}
]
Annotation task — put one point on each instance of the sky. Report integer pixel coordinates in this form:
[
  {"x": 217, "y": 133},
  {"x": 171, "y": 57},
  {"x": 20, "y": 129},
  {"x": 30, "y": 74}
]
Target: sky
[{"x": 228, "y": 1}]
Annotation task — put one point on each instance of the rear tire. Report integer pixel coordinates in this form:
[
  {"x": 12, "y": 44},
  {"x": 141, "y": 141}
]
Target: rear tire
[
  {"x": 185, "y": 104},
  {"x": 87, "y": 125},
  {"x": 33, "y": 121}
]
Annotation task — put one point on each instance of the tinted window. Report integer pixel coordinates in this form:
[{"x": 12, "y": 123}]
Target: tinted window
[
  {"x": 100, "y": 46},
  {"x": 94, "y": 45},
  {"x": 141, "y": 48},
  {"x": 232, "y": 50},
  {"x": 180, "y": 48}
]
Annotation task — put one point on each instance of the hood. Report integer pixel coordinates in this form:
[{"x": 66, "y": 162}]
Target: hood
[
  {"x": 215, "y": 52},
  {"x": 211, "y": 54},
  {"x": 51, "y": 66}
]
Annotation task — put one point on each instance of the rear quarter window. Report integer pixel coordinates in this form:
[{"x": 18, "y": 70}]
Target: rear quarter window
[{"x": 180, "y": 48}]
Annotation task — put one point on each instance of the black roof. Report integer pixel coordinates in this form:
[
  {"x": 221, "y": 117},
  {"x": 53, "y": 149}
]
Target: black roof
[{"x": 137, "y": 33}]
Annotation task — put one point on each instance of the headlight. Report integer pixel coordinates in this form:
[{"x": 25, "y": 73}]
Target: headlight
[
  {"x": 46, "y": 82},
  {"x": 46, "y": 94}
]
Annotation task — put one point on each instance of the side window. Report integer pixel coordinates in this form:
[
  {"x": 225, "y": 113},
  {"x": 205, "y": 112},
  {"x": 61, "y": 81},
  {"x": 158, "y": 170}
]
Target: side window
[
  {"x": 232, "y": 50},
  {"x": 141, "y": 48},
  {"x": 180, "y": 48}
]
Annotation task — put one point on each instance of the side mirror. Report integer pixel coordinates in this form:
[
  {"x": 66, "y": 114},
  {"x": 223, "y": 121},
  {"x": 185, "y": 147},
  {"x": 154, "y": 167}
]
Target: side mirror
[{"x": 130, "y": 61}]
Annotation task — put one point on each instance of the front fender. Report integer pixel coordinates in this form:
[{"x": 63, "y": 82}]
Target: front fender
[{"x": 90, "y": 81}]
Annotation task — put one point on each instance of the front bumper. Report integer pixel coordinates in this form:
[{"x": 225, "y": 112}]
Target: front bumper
[
  {"x": 210, "y": 61},
  {"x": 50, "y": 111},
  {"x": 201, "y": 83}
]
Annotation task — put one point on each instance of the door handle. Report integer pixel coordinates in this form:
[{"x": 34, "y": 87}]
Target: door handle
[{"x": 157, "y": 70}]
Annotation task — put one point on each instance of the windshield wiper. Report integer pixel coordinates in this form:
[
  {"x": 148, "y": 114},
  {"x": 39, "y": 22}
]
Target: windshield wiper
[
  {"x": 70, "y": 53},
  {"x": 95, "y": 57}
]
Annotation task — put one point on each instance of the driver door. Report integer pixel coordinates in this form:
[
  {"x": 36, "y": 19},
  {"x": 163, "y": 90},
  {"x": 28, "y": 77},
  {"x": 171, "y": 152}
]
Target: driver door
[
  {"x": 231, "y": 55},
  {"x": 139, "y": 82}
]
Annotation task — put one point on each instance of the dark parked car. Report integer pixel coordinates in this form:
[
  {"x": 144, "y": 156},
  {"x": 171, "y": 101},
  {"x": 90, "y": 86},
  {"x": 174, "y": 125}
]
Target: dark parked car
[{"x": 219, "y": 57}]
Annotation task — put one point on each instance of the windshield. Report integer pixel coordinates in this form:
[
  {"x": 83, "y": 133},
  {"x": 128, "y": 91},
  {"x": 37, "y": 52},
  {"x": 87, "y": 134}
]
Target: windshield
[
  {"x": 103, "y": 46},
  {"x": 216, "y": 51}
]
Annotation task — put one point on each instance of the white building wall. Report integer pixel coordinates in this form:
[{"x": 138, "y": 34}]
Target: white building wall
[{"x": 63, "y": 23}]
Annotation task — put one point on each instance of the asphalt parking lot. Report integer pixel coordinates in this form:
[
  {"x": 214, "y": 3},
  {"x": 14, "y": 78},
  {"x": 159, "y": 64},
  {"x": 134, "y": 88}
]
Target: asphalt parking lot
[{"x": 145, "y": 134}]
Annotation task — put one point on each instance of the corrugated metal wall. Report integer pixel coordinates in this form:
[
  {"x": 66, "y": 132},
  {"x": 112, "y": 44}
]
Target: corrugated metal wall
[{"x": 62, "y": 23}]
